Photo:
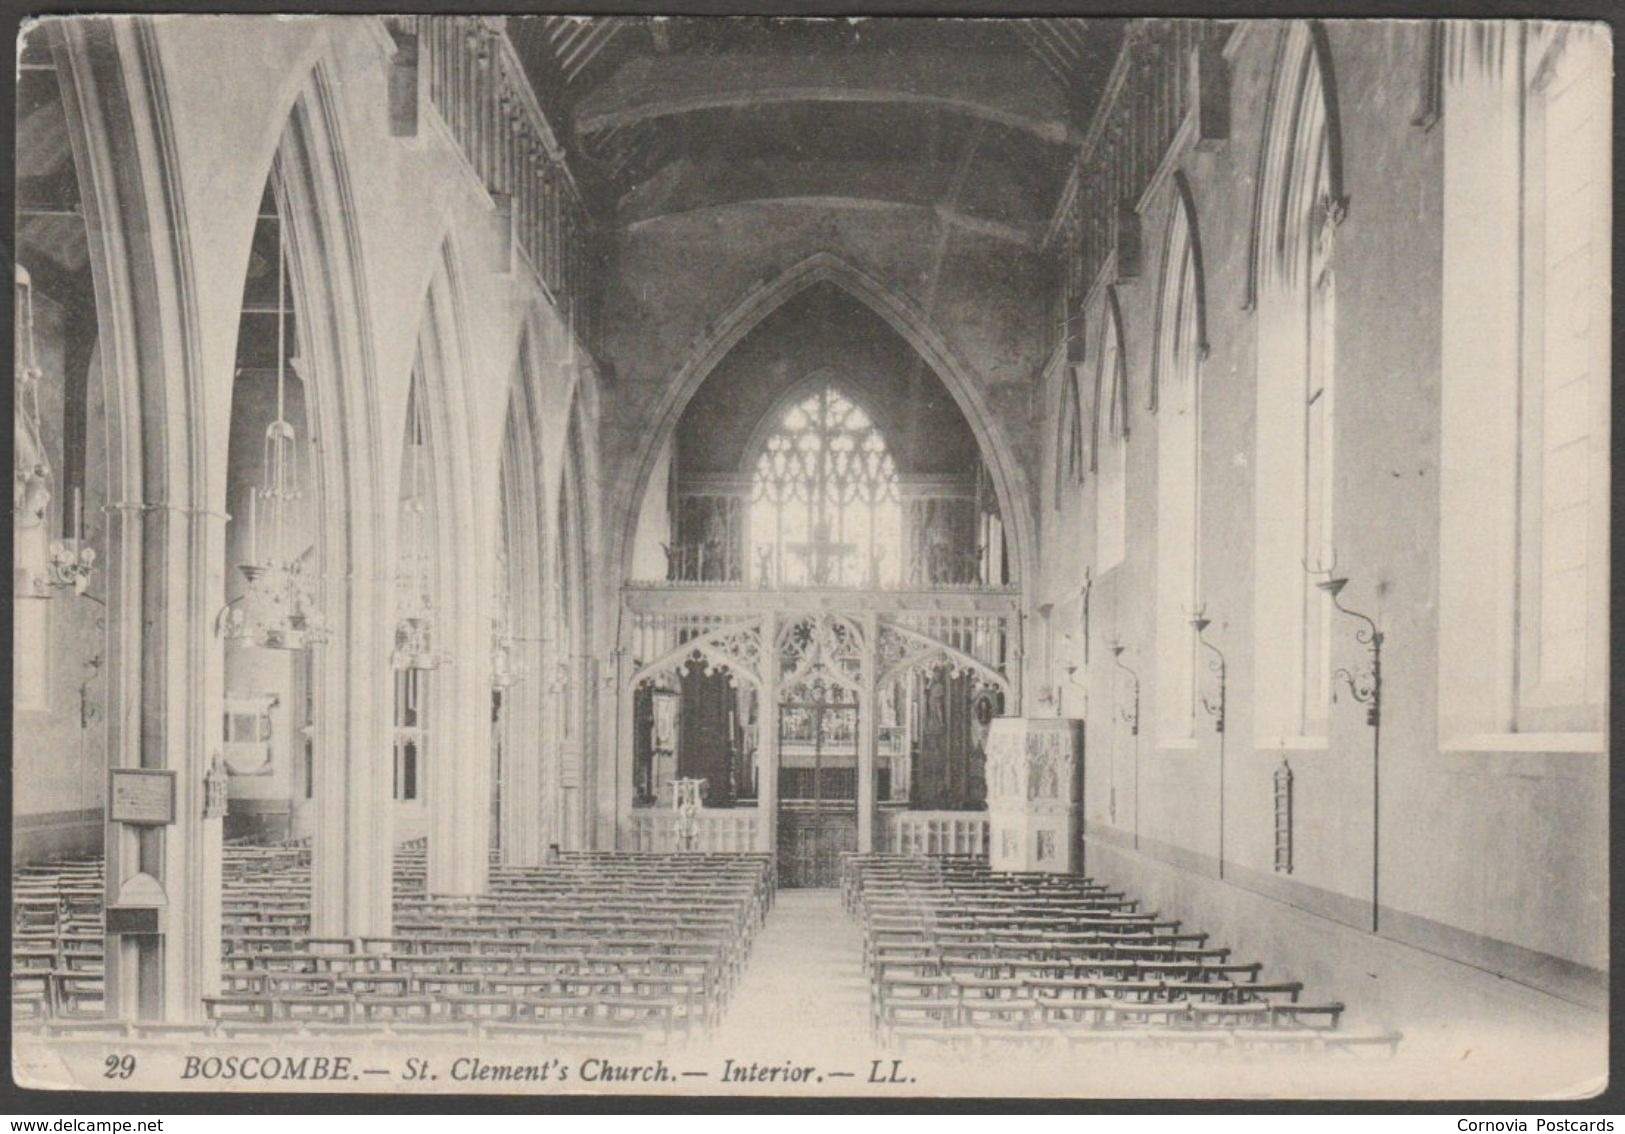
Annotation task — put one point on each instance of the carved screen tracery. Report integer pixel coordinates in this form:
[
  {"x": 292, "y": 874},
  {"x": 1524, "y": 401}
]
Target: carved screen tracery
[
  {"x": 900, "y": 651},
  {"x": 734, "y": 649},
  {"x": 827, "y": 643}
]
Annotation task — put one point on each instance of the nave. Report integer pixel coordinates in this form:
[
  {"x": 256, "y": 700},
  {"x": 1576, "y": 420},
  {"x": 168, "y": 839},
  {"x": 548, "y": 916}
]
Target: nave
[{"x": 510, "y": 510}]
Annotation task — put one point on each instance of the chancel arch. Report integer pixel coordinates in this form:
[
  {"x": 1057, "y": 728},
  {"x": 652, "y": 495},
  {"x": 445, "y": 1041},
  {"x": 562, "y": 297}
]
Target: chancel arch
[
  {"x": 1007, "y": 484},
  {"x": 815, "y": 656}
]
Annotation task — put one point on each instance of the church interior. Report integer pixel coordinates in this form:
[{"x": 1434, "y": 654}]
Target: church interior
[{"x": 1075, "y": 536}]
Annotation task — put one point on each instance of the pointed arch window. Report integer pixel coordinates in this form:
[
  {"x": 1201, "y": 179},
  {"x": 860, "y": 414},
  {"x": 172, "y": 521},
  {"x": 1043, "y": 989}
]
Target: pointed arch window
[
  {"x": 1069, "y": 453},
  {"x": 824, "y": 502},
  {"x": 1179, "y": 467},
  {"x": 1299, "y": 206},
  {"x": 1110, "y": 453}
]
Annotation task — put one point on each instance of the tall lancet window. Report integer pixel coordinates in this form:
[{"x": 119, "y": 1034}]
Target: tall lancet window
[
  {"x": 1069, "y": 462},
  {"x": 1179, "y": 476},
  {"x": 1111, "y": 443},
  {"x": 1563, "y": 509},
  {"x": 1299, "y": 206},
  {"x": 824, "y": 503},
  {"x": 1525, "y": 407}
]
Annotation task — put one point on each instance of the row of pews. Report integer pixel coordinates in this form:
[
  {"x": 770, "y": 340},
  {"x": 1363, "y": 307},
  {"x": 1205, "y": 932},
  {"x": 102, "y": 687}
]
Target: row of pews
[
  {"x": 57, "y": 940},
  {"x": 961, "y": 957},
  {"x": 636, "y": 948}
]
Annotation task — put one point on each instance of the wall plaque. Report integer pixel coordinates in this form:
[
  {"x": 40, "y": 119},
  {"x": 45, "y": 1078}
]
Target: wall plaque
[{"x": 142, "y": 796}]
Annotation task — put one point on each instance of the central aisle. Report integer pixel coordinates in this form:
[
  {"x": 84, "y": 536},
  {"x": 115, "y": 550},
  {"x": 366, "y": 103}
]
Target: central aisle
[{"x": 803, "y": 990}]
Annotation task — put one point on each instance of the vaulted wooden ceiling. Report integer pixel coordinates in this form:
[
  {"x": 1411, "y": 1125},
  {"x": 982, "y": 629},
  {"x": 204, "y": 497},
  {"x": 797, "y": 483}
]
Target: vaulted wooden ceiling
[{"x": 975, "y": 118}]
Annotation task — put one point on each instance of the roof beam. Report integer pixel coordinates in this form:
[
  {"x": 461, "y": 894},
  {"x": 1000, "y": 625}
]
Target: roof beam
[{"x": 1018, "y": 93}]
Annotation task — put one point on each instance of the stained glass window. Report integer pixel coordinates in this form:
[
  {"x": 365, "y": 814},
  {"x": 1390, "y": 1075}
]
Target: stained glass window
[{"x": 824, "y": 505}]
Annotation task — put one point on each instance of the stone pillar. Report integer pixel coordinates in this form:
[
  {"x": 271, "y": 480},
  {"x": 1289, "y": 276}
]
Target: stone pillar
[
  {"x": 767, "y": 789},
  {"x": 1034, "y": 790},
  {"x": 165, "y": 676},
  {"x": 625, "y": 704},
  {"x": 521, "y": 799},
  {"x": 163, "y": 881},
  {"x": 353, "y": 843},
  {"x": 866, "y": 736},
  {"x": 459, "y": 772}
]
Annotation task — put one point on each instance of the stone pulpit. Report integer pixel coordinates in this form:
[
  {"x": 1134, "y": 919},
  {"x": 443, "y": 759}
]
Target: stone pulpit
[{"x": 1034, "y": 782}]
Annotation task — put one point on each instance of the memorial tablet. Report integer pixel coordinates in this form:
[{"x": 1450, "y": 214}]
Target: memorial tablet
[{"x": 142, "y": 796}]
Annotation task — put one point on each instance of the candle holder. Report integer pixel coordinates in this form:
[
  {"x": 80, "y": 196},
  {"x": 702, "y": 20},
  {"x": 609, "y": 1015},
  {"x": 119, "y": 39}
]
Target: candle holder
[
  {"x": 686, "y": 799},
  {"x": 279, "y": 610},
  {"x": 1365, "y": 684},
  {"x": 71, "y": 563},
  {"x": 1129, "y": 713},
  {"x": 1213, "y": 706}
]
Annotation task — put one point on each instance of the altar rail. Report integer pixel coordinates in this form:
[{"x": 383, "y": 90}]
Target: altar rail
[
  {"x": 478, "y": 85},
  {"x": 721, "y": 829},
  {"x": 936, "y": 832}
]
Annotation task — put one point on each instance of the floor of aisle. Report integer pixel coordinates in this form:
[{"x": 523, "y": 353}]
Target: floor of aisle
[{"x": 803, "y": 988}]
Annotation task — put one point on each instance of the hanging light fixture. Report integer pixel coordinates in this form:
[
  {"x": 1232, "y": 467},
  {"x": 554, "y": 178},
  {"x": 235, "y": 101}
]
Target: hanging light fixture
[
  {"x": 279, "y": 611},
  {"x": 414, "y": 633},
  {"x": 39, "y": 563}
]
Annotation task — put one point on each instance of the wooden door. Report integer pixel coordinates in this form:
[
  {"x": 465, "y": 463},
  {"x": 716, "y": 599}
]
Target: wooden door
[{"x": 811, "y": 843}]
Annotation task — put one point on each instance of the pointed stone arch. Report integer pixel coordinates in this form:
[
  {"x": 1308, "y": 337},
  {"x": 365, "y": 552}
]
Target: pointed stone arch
[
  {"x": 458, "y": 773},
  {"x": 1183, "y": 242},
  {"x": 1300, "y": 116},
  {"x": 904, "y": 317},
  {"x": 571, "y": 621},
  {"x": 329, "y": 282},
  {"x": 524, "y": 784}
]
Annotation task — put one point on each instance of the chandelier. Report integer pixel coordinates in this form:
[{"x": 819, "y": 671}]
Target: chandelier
[
  {"x": 415, "y": 631},
  {"x": 39, "y": 563},
  {"x": 279, "y": 611}
]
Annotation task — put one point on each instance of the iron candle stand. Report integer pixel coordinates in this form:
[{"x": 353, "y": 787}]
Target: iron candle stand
[
  {"x": 1215, "y": 708},
  {"x": 1212, "y": 706},
  {"x": 1130, "y": 714},
  {"x": 1365, "y": 687}
]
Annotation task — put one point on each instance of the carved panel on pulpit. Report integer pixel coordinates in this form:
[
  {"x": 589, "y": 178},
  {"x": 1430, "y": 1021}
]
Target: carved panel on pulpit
[{"x": 1033, "y": 792}]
